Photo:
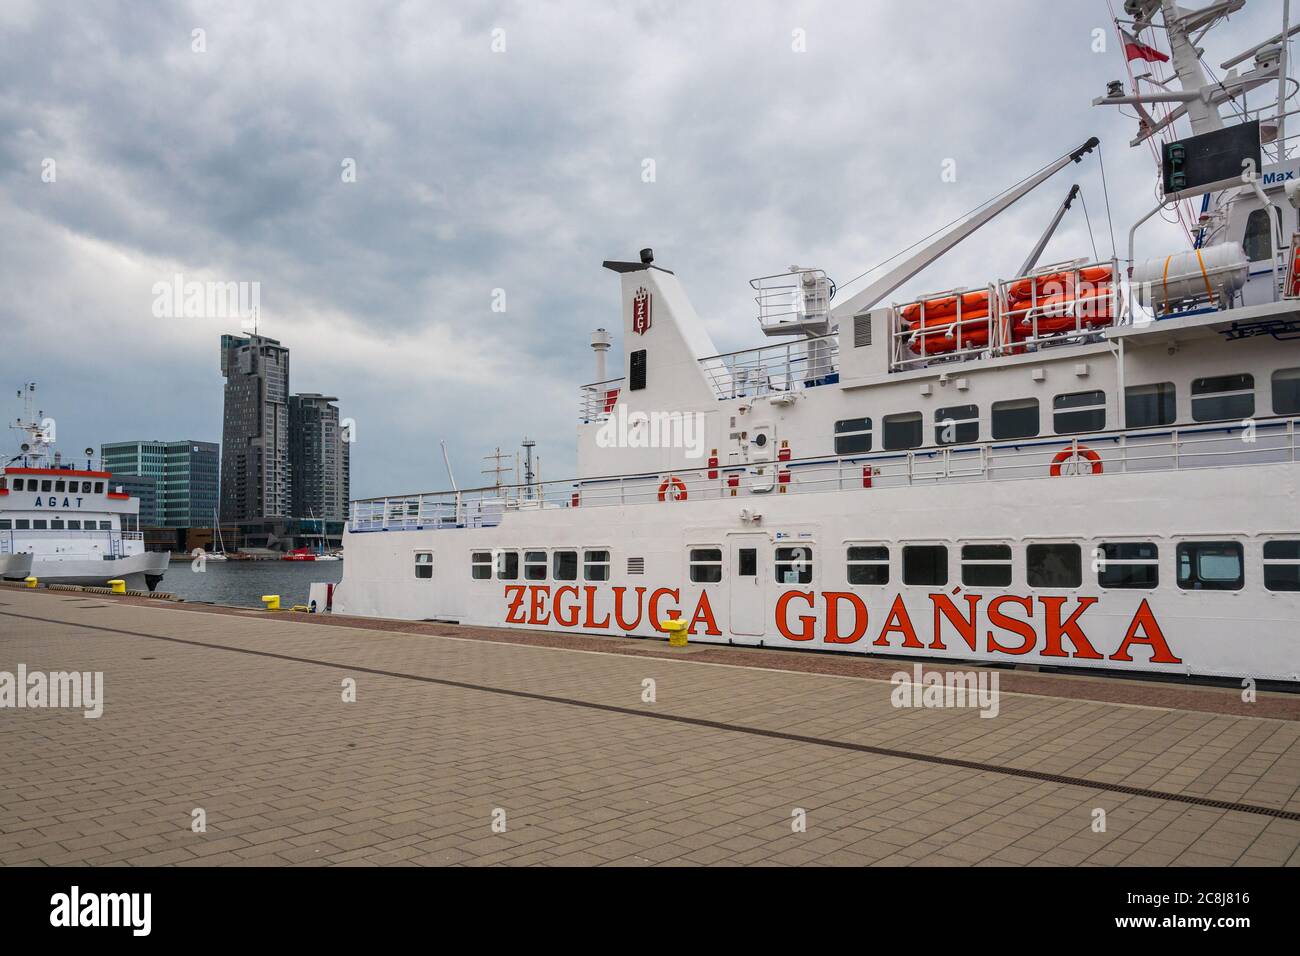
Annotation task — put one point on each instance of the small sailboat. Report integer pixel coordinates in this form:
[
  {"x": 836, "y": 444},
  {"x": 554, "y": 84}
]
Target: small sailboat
[{"x": 220, "y": 553}]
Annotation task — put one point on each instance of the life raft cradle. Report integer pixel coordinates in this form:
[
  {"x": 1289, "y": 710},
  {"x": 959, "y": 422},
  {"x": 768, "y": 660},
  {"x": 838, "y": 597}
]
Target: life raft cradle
[{"x": 1051, "y": 303}]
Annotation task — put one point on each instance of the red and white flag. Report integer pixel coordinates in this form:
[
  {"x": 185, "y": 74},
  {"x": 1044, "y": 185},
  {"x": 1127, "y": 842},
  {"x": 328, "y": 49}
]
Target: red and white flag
[{"x": 1135, "y": 49}]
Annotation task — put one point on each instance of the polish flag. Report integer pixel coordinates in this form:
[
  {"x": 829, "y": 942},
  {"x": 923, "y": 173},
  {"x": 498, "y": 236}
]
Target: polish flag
[{"x": 1135, "y": 49}]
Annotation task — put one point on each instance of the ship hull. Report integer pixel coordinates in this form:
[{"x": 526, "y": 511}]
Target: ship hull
[
  {"x": 15, "y": 567},
  {"x": 1165, "y": 628},
  {"x": 141, "y": 572}
]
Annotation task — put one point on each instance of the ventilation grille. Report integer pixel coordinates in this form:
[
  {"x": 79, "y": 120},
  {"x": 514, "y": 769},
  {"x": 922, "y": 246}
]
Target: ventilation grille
[
  {"x": 862, "y": 331},
  {"x": 636, "y": 565},
  {"x": 636, "y": 373}
]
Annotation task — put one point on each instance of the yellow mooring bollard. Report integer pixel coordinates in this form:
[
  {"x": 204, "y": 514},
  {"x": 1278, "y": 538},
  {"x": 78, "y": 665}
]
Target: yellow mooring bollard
[
  {"x": 676, "y": 632},
  {"x": 272, "y": 601},
  {"x": 30, "y": 582},
  {"x": 118, "y": 586}
]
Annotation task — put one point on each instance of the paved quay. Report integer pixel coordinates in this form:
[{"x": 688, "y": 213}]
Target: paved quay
[{"x": 480, "y": 747}]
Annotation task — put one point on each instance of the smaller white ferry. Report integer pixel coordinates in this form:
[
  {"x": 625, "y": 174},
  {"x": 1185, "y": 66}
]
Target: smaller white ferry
[{"x": 67, "y": 525}]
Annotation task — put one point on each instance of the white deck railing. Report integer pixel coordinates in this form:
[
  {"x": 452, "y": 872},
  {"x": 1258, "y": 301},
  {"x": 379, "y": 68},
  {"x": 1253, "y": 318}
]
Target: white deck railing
[{"x": 1230, "y": 444}]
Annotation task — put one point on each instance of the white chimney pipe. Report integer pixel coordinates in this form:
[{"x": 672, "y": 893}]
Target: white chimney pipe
[{"x": 600, "y": 340}]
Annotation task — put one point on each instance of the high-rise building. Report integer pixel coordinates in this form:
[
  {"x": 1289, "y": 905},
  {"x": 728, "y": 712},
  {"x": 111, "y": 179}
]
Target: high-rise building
[
  {"x": 143, "y": 488},
  {"x": 318, "y": 458},
  {"x": 255, "y": 430},
  {"x": 183, "y": 474}
]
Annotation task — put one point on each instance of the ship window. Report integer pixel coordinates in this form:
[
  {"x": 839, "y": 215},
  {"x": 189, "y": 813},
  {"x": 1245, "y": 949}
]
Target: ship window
[
  {"x": 45, "y": 485},
  {"x": 56, "y": 524},
  {"x": 902, "y": 431},
  {"x": 706, "y": 565},
  {"x": 957, "y": 425},
  {"x": 595, "y": 565},
  {"x": 85, "y": 487},
  {"x": 1282, "y": 565},
  {"x": 986, "y": 565},
  {"x": 534, "y": 565},
  {"x": 852, "y": 436},
  {"x": 1210, "y": 566},
  {"x": 38, "y": 524},
  {"x": 4, "y": 524},
  {"x": 636, "y": 373},
  {"x": 18, "y": 484},
  {"x": 424, "y": 564},
  {"x": 868, "y": 564},
  {"x": 747, "y": 562},
  {"x": 1149, "y": 405},
  {"x": 566, "y": 565},
  {"x": 1053, "y": 566},
  {"x": 1223, "y": 397},
  {"x": 480, "y": 567},
  {"x": 1127, "y": 564},
  {"x": 58, "y": 486},
  {"x": 1079, "y": 412},
  {"x": 21, "y": 524},
  {"x": 1286, "y": 391},
  {"x": 794, "y": 565},
  {"x": 925, "y": 564},
  {"x": 507, "y": 565},
  {"x": 99, "y": 487},
  {"x": 1017, "y": 418},
  {"x": 1257, "y": 240},
  {"x": 74, "y": 524},
  {"x": 108, "y": 526}
]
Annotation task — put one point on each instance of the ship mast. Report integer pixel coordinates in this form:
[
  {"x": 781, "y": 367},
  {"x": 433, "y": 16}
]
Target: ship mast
[{"x": 33, "y": 426}]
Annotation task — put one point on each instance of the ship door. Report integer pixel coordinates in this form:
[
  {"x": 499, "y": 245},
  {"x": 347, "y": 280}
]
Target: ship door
[{"x": 748, "y": 554}]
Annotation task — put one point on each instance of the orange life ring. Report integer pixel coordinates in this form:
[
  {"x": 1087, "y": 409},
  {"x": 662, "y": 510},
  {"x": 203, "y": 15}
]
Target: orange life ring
[
  {"x": 678, "y": 489},
  {"x": 1065, "y": 454}
]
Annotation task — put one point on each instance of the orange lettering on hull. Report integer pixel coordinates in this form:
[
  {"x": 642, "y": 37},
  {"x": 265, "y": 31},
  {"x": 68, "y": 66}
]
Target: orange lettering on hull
[
  {"x": 1063, "y": 634},
  {"x": 898, "y": 621},
  {"x": 1151, "y": 636}
]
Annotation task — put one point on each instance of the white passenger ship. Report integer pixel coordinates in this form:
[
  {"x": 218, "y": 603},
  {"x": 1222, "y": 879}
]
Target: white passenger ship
[
  {"x": 1089, "y": 464},
  {"x": 67, "y": 525}
]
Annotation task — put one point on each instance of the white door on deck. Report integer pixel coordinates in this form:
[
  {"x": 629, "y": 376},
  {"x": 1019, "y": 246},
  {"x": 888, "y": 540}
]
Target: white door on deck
[{"x": 747, "y": 560}]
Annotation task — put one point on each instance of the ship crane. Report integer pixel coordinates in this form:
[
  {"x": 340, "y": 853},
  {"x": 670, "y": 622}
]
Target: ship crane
[{"x": 909, "y": 267}]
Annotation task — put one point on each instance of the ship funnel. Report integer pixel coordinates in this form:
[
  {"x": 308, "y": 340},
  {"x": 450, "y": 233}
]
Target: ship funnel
[{"x": 600, "y": 341}]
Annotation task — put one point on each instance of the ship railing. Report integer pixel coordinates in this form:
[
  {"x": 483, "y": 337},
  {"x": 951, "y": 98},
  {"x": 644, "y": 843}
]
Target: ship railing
[
  {"x": 597, "y": 400},
  {"x": 80, "y": 534},
  {"x": 1209, "y": 445},
  {"x": 784, "y": 367},
  {"x": 800, "y": 297},
  {"x": 1057, "y": 304}
]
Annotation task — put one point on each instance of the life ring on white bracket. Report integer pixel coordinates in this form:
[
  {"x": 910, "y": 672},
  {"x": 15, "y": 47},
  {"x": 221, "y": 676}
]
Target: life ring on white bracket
[
  {"x": 672, "y": 488},
  {"x": 1077, "y": 452}
]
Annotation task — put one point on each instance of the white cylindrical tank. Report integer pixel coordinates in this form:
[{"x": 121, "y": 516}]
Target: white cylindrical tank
[{"x": 1216, "y": 272}]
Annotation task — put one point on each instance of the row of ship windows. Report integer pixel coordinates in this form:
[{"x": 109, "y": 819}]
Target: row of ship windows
[
  {"x": 1200, "y": 565},
  {"x": 54, "y": 524},
  {"x": 59, "y": 485},
  {"x": 1214, "y": 399}
]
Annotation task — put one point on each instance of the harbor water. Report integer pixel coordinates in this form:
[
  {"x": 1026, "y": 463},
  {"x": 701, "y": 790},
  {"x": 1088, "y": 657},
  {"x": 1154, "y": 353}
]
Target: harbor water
[{"x": 244, "y": 582}]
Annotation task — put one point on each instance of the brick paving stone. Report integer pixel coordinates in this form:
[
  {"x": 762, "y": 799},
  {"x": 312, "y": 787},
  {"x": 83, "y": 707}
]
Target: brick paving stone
[{"x": 412, "y": 772}]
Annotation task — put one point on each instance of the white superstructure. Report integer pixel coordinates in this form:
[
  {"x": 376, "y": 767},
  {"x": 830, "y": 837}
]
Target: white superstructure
[{"x": 1088, "y": 465}]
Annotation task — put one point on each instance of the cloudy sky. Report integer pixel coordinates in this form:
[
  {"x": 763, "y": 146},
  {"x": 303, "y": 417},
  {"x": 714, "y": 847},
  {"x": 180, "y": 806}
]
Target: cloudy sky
[{"x": 521, "y": 169}]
